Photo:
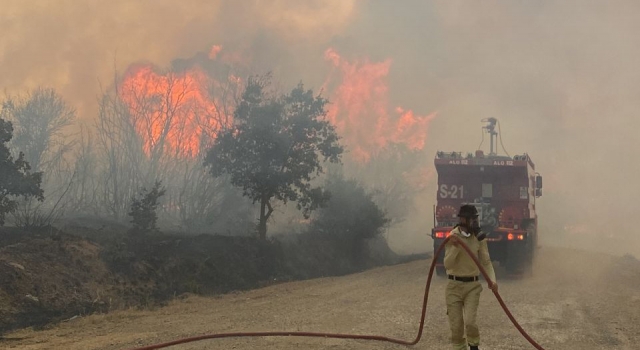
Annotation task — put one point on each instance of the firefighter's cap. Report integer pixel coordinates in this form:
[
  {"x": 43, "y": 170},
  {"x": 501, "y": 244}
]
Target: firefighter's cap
[{"x": 468, "y": 211}]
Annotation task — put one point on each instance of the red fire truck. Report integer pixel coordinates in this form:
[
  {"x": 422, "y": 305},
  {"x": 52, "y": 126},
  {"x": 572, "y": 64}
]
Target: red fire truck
[{"x": 503, "y": 189}]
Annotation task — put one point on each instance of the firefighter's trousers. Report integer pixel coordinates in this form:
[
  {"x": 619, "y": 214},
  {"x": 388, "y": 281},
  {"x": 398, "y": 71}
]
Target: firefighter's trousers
[{"x": 462, "y": 307}]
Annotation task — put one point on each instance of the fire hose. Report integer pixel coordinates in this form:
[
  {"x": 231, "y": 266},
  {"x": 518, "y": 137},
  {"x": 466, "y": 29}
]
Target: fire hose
[{"x": 361, "y": 336}]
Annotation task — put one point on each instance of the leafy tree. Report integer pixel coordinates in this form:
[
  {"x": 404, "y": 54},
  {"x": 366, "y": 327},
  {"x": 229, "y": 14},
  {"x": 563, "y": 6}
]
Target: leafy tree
[
  {"x": 16, "y": 178},
  {"x": 143, "y": 208},
  {"x": 273, "y": 149},
  {"x": 350, "y": 217}
]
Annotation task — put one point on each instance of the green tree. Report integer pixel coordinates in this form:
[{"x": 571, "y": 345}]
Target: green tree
[
  {"x": 273, "y": 149},
  {"x": 16, "y": 178},
  {"x": 143, "y": 208},
  {"x": 350, "y": 217},
  {"x": 351, "y": 212}
]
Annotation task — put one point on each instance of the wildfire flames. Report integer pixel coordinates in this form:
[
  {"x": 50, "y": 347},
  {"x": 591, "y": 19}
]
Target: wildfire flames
[
  {"x": 360, "y": 109},
  {"x": 174, "y": 112}
]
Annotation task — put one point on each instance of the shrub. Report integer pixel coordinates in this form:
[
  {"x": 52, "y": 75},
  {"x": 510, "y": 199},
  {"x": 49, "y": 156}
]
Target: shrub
[
  {"x": 143, "y": 208},
  {"x": 350, "y": 217}
]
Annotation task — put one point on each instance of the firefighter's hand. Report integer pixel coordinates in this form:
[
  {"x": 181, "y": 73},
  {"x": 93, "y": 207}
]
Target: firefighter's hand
[
  {"x": 493, "y": 286},
  {"x": 454, "y": 241}
]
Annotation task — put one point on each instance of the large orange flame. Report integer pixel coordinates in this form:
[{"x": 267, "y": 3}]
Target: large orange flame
[
  {"x": 173, "y": 112},
  {"x": 360, "y": 109}
]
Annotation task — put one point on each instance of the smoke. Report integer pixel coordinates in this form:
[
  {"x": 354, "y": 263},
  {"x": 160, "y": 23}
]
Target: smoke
[
  {"x": 75, "y": 46},
  {"x": 560, "y": 76}
]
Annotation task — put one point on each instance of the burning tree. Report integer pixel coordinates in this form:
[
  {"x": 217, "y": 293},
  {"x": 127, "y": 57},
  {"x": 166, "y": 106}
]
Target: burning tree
[
  {"x": 272, "y": 149},
  {"x": 157, "y": 124},
  {"x": 386, "y": 142}
]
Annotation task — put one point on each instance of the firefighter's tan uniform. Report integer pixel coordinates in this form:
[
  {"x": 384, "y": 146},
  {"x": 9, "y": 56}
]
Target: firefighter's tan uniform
[{"x": 463, "y": 297}]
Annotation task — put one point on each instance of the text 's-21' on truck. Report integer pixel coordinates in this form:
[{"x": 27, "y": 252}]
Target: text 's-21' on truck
[{"x": 503, "y": 189}]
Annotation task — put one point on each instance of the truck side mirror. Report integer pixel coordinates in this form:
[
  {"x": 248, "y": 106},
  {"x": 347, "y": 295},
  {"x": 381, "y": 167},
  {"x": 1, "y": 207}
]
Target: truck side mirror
[{"x": 538, "y": 182}]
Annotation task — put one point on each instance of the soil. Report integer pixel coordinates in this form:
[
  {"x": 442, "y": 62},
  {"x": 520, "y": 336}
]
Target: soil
[
  {"x": 49, "y": 276},
  {"x": 575, "y": 300}
]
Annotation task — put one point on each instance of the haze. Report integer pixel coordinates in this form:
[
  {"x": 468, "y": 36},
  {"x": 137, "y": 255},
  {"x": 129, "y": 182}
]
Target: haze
[{"x": 560, "y": 76}]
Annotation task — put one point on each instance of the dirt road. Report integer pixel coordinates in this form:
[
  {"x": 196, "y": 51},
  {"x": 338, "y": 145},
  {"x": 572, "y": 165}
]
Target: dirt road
[{"x": 576, "y": 300}]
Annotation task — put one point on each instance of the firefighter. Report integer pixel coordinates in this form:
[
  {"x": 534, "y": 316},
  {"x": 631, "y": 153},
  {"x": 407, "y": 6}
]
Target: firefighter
[{"x": 463, "y": 290}]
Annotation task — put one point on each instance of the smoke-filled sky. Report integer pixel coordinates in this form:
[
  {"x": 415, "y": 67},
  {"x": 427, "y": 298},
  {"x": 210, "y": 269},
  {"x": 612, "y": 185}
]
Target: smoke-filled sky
[{"x": 561, "y": 76}]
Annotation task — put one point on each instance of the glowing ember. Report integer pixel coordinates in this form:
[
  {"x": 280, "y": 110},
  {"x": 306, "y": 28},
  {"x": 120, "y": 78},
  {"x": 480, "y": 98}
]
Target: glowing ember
[
  {"x": 172, "y": 112},
  {"x": 360, "y": 109}
]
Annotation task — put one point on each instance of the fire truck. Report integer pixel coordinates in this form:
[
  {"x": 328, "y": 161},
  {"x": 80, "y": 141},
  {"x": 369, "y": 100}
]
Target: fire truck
[{"x": 504, "y": 189}]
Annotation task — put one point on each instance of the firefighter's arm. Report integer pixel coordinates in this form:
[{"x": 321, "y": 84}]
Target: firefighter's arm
[
  {"x": 451, "y": 251},
  {"x": 485, "y": 261}
]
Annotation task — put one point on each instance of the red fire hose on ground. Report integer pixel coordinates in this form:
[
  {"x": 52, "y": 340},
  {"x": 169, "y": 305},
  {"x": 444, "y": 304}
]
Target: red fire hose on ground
[{"x": 359, "y": 336}]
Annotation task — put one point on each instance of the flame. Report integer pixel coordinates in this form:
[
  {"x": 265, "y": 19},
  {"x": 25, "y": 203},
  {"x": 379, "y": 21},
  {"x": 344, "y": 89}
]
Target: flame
[
  {"x": 172, "y": 112},
  {"x": 360, "y": 109},
  {"x": 215, "y": 50}
]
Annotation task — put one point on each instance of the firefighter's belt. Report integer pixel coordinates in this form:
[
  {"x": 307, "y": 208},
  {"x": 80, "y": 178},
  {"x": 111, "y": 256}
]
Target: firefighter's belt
[{"x": 463, "y": 279}]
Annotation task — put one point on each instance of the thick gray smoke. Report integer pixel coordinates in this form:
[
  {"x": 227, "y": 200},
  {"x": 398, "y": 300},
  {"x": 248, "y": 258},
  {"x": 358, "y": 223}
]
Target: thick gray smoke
[{"x": 560, "y": 76}]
